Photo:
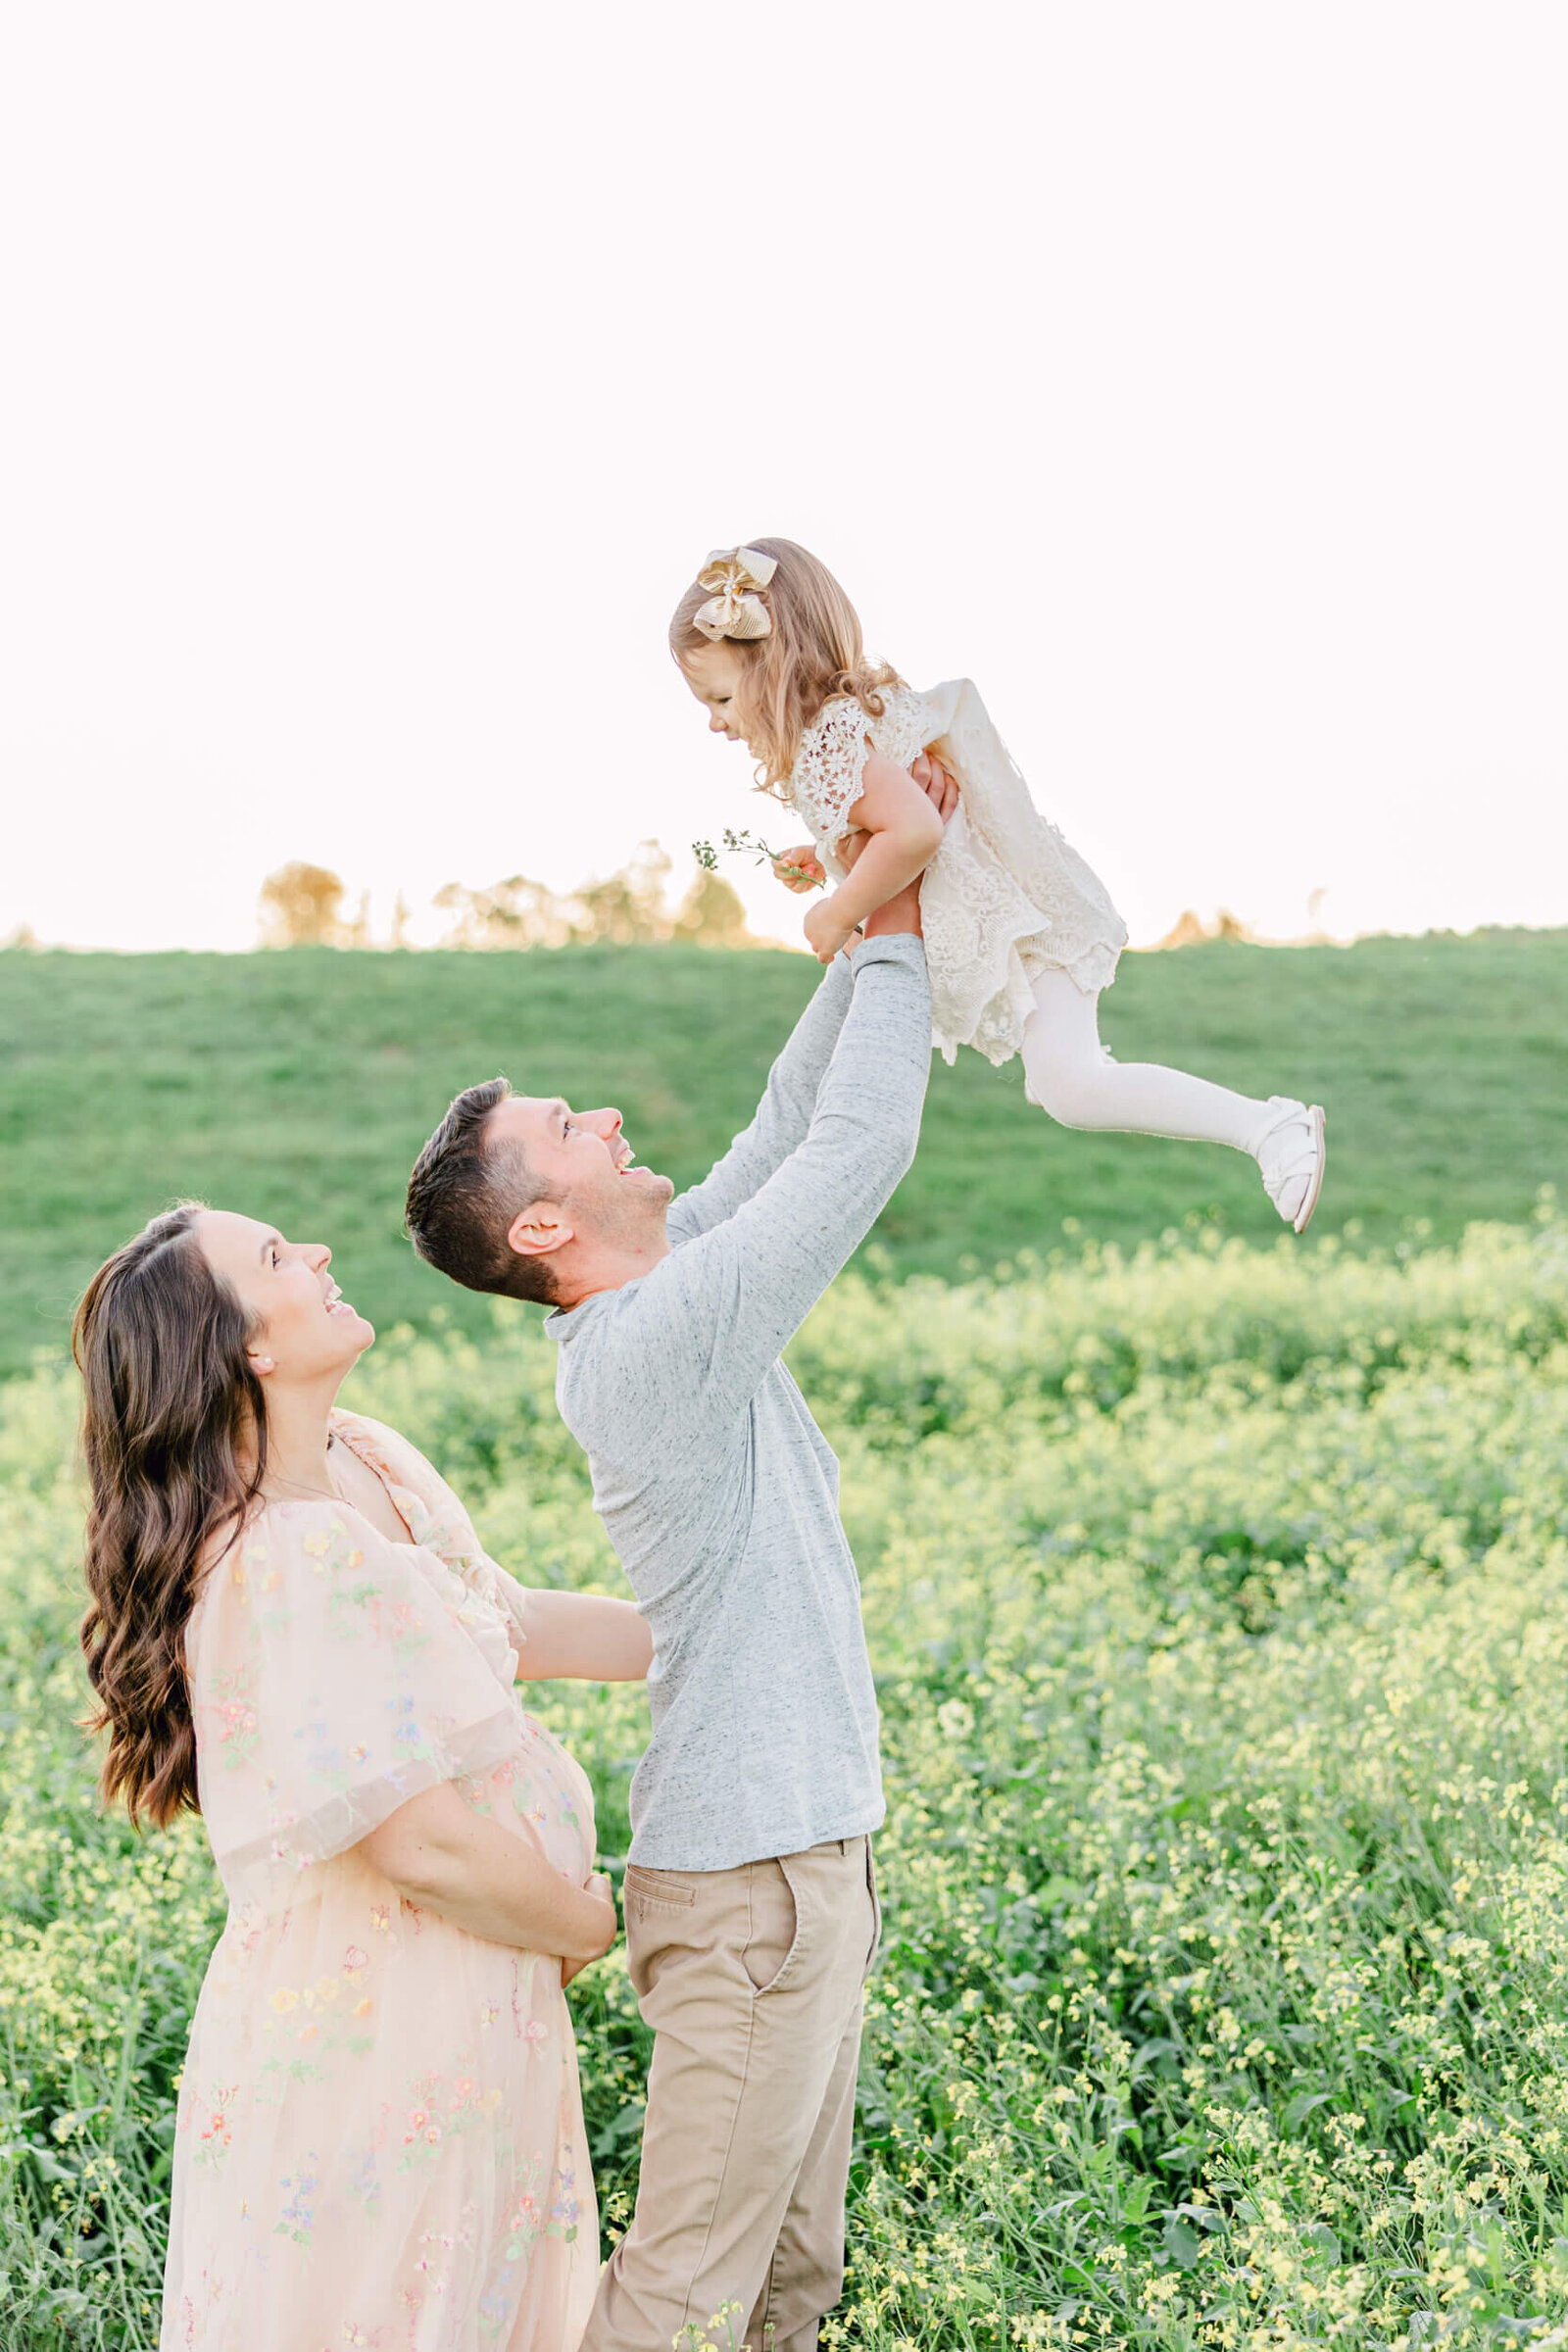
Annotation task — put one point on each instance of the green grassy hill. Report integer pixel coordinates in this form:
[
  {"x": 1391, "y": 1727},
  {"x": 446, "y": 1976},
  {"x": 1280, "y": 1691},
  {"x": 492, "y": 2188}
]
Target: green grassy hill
[{"x": 298, "y": 1086}]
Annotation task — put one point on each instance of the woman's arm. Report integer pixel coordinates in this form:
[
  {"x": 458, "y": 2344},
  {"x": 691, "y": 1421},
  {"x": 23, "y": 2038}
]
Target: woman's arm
[
  {"x": 904, "y": 831},
  {"x": 445, "y": 1857},
  {"x": 582, "y": 1636}
]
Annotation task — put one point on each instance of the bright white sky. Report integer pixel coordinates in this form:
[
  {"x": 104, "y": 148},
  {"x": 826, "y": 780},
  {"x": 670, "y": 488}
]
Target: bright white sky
[{"x": 1194, "y": 378}]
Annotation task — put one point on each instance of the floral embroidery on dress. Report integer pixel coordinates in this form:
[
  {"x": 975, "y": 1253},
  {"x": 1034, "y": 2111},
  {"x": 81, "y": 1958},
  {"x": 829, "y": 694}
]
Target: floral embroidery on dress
[
  {"x": 217, "y": 2133},
  {"x": 237, "y": 1726},
  {"x": 299, "y": 2214}
]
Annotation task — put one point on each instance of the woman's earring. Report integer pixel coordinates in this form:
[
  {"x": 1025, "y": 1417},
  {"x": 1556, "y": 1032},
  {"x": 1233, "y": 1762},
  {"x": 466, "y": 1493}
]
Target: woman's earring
[{"x": 261, "y": 1363}]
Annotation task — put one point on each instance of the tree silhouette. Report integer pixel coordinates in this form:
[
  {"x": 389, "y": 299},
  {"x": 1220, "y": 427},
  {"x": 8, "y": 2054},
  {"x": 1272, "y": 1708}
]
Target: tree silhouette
[
  {"x": 301, "y": 907},
  {"x": 711, "y": 915},
  {"x": 626, "y": 909},
  {"x": 631, "y": 906},
  {"x": 513, "y": 914}
]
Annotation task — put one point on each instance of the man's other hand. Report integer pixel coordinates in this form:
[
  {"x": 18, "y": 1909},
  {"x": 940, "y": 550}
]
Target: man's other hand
[{"x": 938, "y": 782}]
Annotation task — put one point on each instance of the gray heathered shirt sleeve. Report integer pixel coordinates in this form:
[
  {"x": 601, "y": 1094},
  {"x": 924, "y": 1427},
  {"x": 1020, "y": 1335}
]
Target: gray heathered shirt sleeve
[
  {"x": 714, "y": 1315},
  {"x": 715, "y": 1485},
  {"x": 783, "y": 1116}
]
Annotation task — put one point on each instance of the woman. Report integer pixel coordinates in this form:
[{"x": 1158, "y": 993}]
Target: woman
[{"x": 293, "y": 1628}]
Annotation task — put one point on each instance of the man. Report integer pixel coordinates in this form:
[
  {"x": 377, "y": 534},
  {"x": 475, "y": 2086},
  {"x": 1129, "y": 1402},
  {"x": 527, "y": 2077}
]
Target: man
[{"x": 749, "y": 1896}]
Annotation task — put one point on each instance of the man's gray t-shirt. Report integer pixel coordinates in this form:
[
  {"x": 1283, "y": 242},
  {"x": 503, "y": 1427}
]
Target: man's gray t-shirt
[{"x": 715, "y": 1483}]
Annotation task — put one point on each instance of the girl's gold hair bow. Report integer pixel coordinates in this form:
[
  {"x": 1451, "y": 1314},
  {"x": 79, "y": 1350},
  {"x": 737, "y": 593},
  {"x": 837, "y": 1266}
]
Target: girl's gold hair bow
[{"x": 734, "y": 609}]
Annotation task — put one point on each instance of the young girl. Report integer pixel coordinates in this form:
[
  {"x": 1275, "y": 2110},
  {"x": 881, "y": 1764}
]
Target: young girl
[{"x": 1021, "y": 936}]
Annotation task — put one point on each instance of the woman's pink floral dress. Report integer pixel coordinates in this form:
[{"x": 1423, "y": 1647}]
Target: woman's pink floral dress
[{"x": 379, "y": 2137}]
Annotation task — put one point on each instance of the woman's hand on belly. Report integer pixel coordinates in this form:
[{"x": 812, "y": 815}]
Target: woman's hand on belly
[
  {"x": 598, "y": 1884},
  {"x": 450, "y": 1860}
]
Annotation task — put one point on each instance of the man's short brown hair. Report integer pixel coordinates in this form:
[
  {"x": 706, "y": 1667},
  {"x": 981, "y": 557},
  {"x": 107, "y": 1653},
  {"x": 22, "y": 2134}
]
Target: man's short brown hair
[{"x": 463, "y": 1195}]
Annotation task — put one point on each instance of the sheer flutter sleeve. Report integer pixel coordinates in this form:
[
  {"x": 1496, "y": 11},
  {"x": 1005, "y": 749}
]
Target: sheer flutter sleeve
[
  {"x": 828, "y": 775},
  {"x": 437, "y": 1519},
  {"x": 332, "y": 1678}
]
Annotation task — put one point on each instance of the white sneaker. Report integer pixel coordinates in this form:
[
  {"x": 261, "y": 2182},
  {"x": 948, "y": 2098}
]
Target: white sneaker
[{"x": 1292, "y": 1152}]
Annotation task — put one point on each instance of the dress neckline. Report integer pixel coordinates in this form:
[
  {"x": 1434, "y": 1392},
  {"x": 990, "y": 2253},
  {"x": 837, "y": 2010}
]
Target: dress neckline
[{"x": 391, "y": 1490}]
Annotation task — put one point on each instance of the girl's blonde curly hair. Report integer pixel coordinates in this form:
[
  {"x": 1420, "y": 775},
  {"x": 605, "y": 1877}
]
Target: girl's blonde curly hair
[{"x": 812, "y": 651}]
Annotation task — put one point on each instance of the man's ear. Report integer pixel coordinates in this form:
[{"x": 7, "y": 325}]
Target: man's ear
[{"x": 539, "y": 1230}]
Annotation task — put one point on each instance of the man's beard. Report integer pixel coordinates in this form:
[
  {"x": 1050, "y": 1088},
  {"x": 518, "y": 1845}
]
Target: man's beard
[{"x": 636, "y": 1209}]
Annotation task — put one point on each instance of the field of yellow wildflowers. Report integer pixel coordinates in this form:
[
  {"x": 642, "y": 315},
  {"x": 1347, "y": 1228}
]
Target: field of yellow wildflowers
[{"x": 1219, "y": 1604}]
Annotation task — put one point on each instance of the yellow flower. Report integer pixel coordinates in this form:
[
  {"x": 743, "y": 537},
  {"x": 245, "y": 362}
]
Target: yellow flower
[{"x": 284, "y": 2000}]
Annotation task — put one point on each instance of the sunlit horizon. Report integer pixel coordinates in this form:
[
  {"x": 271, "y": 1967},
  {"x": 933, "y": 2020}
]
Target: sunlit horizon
[{"x": 387, "y": 931}]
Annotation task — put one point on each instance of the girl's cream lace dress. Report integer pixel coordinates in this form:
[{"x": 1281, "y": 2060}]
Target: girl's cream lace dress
[{"x": 1003, "y": 898}]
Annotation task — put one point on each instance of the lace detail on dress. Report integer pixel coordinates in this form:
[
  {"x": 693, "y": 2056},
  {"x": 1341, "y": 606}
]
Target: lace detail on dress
[
  {"x": 827, "y": 778},
  {"x": 904, "y": 728}
]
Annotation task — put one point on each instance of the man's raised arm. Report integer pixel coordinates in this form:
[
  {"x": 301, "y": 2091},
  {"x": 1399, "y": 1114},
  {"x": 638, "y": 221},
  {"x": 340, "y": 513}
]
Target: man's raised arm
[
  {"x": 782, "y": 1117},
  {"x": 784, "y": 1114},
  {"x": 721, "y": 1309}
]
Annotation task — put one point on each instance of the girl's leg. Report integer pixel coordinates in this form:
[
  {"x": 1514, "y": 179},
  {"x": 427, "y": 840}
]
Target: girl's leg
[{"x": 1071, "y": 1076}]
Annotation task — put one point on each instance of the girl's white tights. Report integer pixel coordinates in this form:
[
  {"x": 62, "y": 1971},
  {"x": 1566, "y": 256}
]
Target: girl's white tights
[{"x": 1071, "y": 1076}]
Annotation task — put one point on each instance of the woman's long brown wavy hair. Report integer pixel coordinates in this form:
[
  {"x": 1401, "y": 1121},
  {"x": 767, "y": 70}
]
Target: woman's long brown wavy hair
[{"x": 174, "y": 1432}]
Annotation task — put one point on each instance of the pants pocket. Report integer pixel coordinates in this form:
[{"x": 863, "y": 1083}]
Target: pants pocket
[
  {"x": 773, "y": 1926},
  {"x": 876, "y": 1907},
  {"x": 668, "y": 1890},
  {"x": 664, "y": 1919}
]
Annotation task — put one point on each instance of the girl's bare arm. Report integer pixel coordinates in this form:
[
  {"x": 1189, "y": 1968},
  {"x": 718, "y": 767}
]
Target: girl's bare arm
[{"x": 901, "y": 828}]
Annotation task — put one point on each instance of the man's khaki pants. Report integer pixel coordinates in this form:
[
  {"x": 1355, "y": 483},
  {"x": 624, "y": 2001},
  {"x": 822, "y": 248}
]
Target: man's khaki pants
[{"x": 752, "y": 1981}]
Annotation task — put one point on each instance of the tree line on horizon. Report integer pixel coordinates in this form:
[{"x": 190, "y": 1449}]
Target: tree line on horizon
[
  {"x": 302, "y": 906},
  {"x": 305, "y": 905}
]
